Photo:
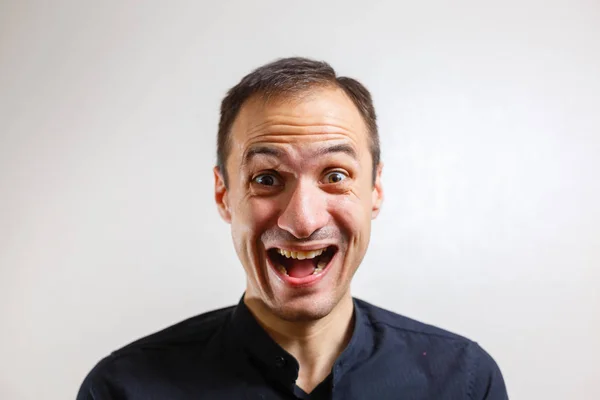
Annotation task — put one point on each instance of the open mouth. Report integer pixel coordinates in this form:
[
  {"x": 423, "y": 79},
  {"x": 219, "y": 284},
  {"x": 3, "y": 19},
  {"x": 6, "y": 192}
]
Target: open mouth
[{"x": 301, "y": 264}]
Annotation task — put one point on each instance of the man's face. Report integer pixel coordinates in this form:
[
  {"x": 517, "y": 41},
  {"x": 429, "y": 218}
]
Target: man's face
[{"x": 300, "y": 199}]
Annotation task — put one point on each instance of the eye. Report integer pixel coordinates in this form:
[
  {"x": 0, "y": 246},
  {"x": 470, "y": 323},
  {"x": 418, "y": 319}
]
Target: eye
[
  {"x": 267, "y": 180},
  {"x": 335, "y": 177}
]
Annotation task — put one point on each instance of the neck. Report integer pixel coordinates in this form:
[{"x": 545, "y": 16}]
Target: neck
[{"x": 315, "y": 344}]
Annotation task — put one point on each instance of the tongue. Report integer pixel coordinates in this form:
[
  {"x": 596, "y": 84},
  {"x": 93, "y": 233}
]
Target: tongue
[{"x": 300, "y": 268}]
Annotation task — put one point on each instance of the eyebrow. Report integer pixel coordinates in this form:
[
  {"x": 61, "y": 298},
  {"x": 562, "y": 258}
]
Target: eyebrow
[
  {"x": 257, "y": 150},
  {"x": 337, "y": 148},
  {"x": 275, "y": 152}
]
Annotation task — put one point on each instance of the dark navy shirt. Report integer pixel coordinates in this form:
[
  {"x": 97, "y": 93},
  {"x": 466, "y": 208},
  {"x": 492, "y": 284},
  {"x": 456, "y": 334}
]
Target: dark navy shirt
[{"x": 225, "y": 354}]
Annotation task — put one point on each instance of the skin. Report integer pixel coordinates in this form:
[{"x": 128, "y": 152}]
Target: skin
[{"x": 308, "y": 185}]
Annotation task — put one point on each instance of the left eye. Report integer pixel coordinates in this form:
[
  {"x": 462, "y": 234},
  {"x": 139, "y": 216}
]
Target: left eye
[{"x": 335, "y": 177}]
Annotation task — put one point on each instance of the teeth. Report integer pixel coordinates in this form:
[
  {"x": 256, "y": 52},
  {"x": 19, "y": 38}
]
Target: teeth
[
  {"x": 282, "y": 269},
  {"x": 301, "y": 255},
  {"x": 284, "y": 253},
  {"x": 320, "y": 267}
]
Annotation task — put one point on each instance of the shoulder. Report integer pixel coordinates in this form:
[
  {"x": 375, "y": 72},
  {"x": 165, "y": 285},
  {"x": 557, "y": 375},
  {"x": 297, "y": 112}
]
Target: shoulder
[
  {"x": 190, "y": 332},
  {"x": 405, "y": 336},
  {"x": 380, "y": 318},
  {"x": 199, "y": 336}
]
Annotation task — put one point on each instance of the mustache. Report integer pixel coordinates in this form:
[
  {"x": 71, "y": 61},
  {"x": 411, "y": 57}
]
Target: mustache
[{"x": 321, "y": 234}]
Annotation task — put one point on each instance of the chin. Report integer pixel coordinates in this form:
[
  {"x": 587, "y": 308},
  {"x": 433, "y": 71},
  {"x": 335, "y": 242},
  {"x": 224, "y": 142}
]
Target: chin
[{"x": 305, "y": 308}]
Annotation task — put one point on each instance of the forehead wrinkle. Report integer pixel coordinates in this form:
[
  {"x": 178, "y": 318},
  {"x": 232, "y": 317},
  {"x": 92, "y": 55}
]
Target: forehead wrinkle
[
  {"x": 264, "y": 124},
  {"x": 301, "y": 127},
  {"x": 268, "y": 138}
]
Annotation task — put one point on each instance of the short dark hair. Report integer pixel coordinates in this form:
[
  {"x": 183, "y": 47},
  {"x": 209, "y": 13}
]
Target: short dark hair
[{"x": 287, "y": 77}]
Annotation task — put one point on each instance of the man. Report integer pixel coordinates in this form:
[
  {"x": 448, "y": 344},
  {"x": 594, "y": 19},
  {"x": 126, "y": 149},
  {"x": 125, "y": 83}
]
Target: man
[{"x": 298, "y": 178}]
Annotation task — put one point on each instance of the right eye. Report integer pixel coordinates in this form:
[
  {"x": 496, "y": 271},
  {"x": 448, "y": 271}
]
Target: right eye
[{"x": 267, "y": 180}]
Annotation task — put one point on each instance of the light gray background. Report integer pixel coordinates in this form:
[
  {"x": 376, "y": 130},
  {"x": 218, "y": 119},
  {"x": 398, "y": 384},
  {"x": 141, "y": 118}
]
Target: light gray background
[{"x": 490, "y": 123}]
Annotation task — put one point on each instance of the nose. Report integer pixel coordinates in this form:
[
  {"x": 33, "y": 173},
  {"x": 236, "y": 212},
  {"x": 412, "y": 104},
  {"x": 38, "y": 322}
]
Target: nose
[{"x": 305, "y": 212}]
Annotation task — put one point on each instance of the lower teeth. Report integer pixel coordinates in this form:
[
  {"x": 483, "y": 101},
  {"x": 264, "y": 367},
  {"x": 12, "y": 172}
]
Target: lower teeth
[
  {"x": 319, "y": 268},
  {"x": 282, "y": 269}
]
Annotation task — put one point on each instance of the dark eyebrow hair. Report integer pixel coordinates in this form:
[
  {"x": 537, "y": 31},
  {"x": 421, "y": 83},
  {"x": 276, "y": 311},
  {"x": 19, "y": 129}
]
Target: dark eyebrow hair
[
  {"x": 254, "y": 151},
  {"x": 274, "y": 152},
  {"x": 337, "y": 148}
]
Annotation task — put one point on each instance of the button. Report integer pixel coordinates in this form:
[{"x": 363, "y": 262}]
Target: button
[{"x": 280, "y": 361}]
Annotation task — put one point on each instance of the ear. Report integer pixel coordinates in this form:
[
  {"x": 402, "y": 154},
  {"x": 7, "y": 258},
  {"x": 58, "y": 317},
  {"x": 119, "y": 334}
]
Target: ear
[
  {"x": 221, "y": 196},
  {"x": 377, "y": 195}
]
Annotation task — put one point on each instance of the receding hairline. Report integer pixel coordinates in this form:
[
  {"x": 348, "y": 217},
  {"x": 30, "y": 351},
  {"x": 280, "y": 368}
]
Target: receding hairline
[
  {"x": 293, "y": 94},
  {"x": 297, "y": 97}
]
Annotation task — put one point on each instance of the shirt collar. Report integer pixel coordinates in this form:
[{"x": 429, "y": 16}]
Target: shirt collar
[{"x": 277, "y": 363}]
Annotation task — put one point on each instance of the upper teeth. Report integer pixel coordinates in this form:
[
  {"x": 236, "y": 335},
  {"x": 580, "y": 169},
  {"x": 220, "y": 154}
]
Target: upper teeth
[{"x": 301, "y": 255}]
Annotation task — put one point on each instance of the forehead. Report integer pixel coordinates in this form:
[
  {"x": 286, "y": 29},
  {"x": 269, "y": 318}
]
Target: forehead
[{"x": 319, "y": 115}]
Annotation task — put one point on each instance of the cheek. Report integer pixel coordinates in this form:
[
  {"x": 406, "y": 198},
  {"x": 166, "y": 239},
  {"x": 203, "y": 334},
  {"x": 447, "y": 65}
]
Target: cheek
[
  {"x": 349, "y": 214},
  {"x": 260, "y": 212},
  {"x": 252, "y": 217}
]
